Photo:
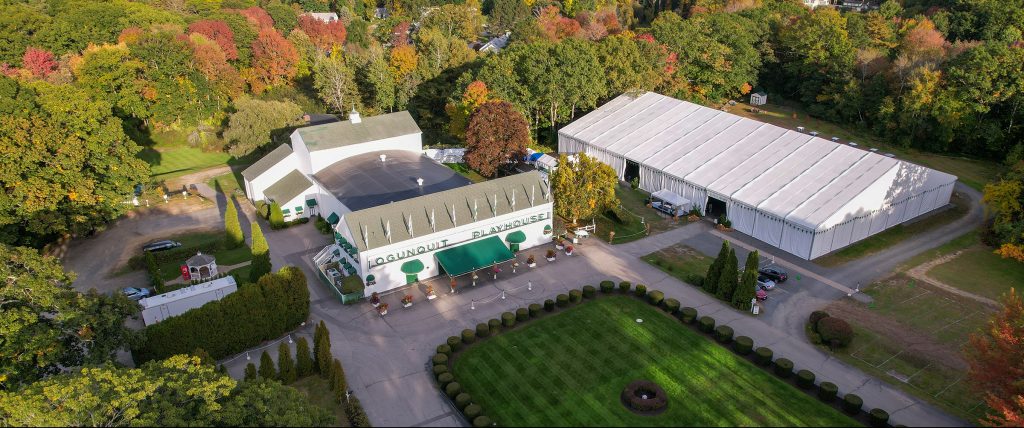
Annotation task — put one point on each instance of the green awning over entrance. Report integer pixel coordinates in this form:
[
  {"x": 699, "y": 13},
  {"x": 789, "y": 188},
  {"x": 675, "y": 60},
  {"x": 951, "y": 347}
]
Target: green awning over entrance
[
  {"x": 310, "y": 203},
  {"x": 412, "y": 266},
  {"x": 474, "y": 255},
  {"x": 517, "y": 237},
  {"x": 333, "y": 218}
]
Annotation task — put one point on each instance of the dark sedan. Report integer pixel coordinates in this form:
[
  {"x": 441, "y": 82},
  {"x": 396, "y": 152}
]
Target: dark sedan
[{"x": 774, "y": 273}]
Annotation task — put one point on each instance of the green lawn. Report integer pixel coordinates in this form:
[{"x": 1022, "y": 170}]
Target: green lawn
[
  {"x": 319, "y": 394},
  {"x": 465, "y": 171},
  {"x": 174, "y": 162},
  {"x": 680, "y": 261},
  {"x": 637, "y": 216},
  {"x": 978, "y": 270},
  {"x": 569, "y": 369},
  {"x": 894, "y": 235},
  {"x": 228, "y": 183}
]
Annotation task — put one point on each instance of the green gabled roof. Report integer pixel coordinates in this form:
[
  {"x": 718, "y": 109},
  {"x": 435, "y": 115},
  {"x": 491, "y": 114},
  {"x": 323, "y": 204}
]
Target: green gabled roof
[
  {"x": 288, "y": 187},
  {"x": 374, "y": 220},
  {"x": 373, "y": 128},
  {"x": 267, "y": 162}
]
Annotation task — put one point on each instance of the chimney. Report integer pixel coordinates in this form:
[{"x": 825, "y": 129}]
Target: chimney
[
  {"x": 353, "y": 116},
  {"x": 383, "y": 158}
]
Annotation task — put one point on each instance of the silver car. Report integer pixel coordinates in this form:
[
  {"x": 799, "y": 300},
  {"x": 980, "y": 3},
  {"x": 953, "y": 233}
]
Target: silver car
[{"x": 764, "y": 283}]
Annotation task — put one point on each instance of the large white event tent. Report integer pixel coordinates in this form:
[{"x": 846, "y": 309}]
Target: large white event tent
[{"x": 805, "y": 195}]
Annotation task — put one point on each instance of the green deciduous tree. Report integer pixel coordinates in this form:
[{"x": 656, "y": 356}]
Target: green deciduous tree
[
  {"x": 267, "y": 370},
  {"x": 497, "y": 135},
  {"x": 232, "y": 227},
  {"x": 714, "y": 274},
  {"x": 303, "y": 360},
  {"x": 266, "y": 403},
  {"x": 816, "y": 56},
  {"x": 453, "y": 19},
  {"x": 729, "y": 278},
  {"x": 746, "y": 290},
  {"x": 256, "y": 123},
  {"x": 260, "y": 254},
  {"x": 335, "y": 83},
  {"x": 583, "y": 188},
  {"x": 285, "y": 364}
]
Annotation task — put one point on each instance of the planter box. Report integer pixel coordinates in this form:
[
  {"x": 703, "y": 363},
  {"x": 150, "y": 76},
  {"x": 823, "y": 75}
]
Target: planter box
[
  {"x": 382, "y": 313},
  {"x": 532, "y": 264},
  {"x": 406, "y": 305},
  {"x": 551, "y": 259},
  {"x": 375, "y": 304},
  {"x": 431, "y": 296},
  {"x": 559, "y": 247}
]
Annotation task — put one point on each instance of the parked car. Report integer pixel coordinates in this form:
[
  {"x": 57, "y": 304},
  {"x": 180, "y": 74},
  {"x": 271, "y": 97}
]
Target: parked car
[
  {"x": 133, "y": 293},
  {"x": 161, "y": 245},
  {"x": 761, "y": 295},
  {"x": 764, "y": 283},
  {"x": 774, "y": 273}
]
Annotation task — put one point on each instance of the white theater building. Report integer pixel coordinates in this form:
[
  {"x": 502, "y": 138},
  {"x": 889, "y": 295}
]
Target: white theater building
[
  {"x": 399, "y": 216},
  {"x": 805, "y": 195}
]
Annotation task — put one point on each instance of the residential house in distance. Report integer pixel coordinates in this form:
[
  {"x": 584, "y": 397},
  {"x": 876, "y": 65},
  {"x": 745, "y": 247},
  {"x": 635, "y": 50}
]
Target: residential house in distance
[
  {"x": 817, "y": 3},
  {"x": 327, "y": 17},
  {"x": 496, "y": 44}
]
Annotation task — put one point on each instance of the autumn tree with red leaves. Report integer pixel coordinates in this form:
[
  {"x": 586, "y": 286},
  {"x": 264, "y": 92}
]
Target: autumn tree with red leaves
[
  {"x": 39, "y": 62},
  {"x": 996, "y": 359},
  {"x": 324, "y": 35},
  {"x": 400, "y": 34},
  {"x": 497, "y": 134},
  {"x": 257, "y": 16},
  {"x": 212, "y": 62},
  {"x": 556, "y": 27},
  {"x": 219, "y": 32},
  {"x": 275, "y": 60}
]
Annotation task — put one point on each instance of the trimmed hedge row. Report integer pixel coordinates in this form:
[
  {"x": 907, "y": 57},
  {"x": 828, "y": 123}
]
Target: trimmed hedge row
[{"x": 575, "y": 296}]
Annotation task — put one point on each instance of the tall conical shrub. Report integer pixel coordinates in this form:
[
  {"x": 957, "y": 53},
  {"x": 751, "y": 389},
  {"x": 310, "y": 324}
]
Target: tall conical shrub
[
  {"x": 730, "y": 278},
  {"x": 318, "y": 336},
  {"x": 338, "y": 382},
  {"x": 276, "y": 216},
  {"x": 285, "y": 364},
  {"x": 303, "y": 361},
  {"x": 745, "y": 291},
  {"x": 715, "y": 270},
  {"x": 323, "y": 356},
  {"x": 232, "y": 228},
  {"x": 260, "y": 254},
  {"x": 250, "y": 371},
  {"x": 267, "y": 369}
]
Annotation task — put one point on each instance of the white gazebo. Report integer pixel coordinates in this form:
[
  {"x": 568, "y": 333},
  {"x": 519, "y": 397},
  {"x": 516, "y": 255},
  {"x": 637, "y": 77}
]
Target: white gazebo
[{"x": 201, "y": 266}]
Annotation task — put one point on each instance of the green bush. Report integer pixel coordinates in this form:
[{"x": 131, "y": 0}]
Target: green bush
[
  {"x": 878, "y": 417},
  {"x": 836, "y": 332},
  {"x": 273, "y": 306},
  {"x": 783, "y": 367},
  {"x": 352, "y": 284},
  {"x": 276, "y": 216},
  {"x": 671, "y": 305},
  {"x": 439, "y": 359},
  {"x": 562, "y": 300},
  {"x": 743, "y": 345},
  {"x": 440, "y": 369},
  {"x": 687, "y": 315},
  {"x": 640, "y": 290},
  {"x": 575, "y": 296},
  {"x": 262, "y": 209},
  {"x": 468, "y": 336},
  {"x": 852, "y": 403},
  {"x": 494, "y": 325},
  {"x": 549, "y": 305},
  {"x": 815, "y": 317},
  {"x": 707, "y": 324},
  {"x": 483, "y": 330},
  {"x": 444, "y": 349},
  {"x": 462, "y": 400},
  {"x": 655, "y": 297},
  {"x": 472, "y": 411},
  {"x": 763, "y": 356},
  {"x": 607, "y": 287},
  {"x": 355, "y": 413},
  {"x": 508, "y": 319},
  {"x": 624, "y": 287},
  {"x": 814, "y": 337},
  {"x": 455, "y": 342},
  {"x": 589, "y": 291},
  {"x": 481, "y": 422},
  {"x": 522, "y": 314},
  {"x": 805, "y": 379},
  {"x": 723, "y": 334},
  {"x": 453, "y": 389},
  {"x": 695, "y": 280},
  {"x": 534, "y": 309},
  {"x": 827, "y": 391},
  {"x": 445, "y": 378}
]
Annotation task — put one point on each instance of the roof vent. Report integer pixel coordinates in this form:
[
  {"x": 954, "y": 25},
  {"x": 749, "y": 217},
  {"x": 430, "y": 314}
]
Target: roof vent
[
  {"x": 353, "y": 116},
  {"x": 383, "y": 158},
  {"x": 419, "y": 181}
]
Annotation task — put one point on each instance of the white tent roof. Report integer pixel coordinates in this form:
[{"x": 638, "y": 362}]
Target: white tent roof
[
  {"x": 809, "y": 181},
  {"x": 670, "y": 197}
]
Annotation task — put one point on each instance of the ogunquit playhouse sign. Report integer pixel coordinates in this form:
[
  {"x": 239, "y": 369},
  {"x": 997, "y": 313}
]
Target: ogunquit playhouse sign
[{"x": 442, "y": 243}]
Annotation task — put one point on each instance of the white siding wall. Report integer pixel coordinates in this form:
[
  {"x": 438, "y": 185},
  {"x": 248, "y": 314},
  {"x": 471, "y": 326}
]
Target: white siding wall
[
  {"x": 324, "y": 158},
  {"x": 299, "y": 201},
  {"x": 254, "y": 188}
]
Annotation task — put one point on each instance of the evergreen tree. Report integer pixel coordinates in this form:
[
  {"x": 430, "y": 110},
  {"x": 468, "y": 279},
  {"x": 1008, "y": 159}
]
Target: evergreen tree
[
  {"x": 285, "y": 364},
  {"x": 729, "y": 279},
  {"x": 267, "y": 369},
  {"x": 303, "y": 362},
  {"x": 323, "y": 353},
  {"x": 232, "y": 228},
  {"x": 715, "y": 270},
  {"x": 204, "y": 357},
  {"x": 338, "y": 383},
  {"x": 318, "y": 336},
  {"x": 250, "y": 371},
  {"x": 260, "y": 254},
  {"x": 276, "y": 216},
  {"x": 745, "y": 291},
  {"x": 222, "y": 369}
]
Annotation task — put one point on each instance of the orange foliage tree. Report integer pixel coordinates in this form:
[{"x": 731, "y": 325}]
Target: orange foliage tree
[
  {"x": 323, "y": 34},
  {"x": 996, "y": 358},
  {"x": 275, "y": 60}
]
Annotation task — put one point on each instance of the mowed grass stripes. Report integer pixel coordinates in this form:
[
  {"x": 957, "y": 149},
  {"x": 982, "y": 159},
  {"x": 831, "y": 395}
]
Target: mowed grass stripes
[{"x": 569, "y": 369}]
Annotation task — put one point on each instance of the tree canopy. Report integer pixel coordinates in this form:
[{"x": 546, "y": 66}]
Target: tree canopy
[
  {"x": 497, "y": 135},
  {"x": 583, "y": 187}
]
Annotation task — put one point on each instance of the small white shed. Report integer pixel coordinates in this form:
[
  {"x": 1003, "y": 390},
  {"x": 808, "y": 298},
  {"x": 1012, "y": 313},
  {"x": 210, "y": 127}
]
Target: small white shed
[{"x": 758, "y": 99}]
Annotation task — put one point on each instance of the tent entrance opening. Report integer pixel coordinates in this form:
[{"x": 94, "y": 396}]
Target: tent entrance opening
[
  {"x": 632, "y": 171},
  {"x": 715, "y": 208}
]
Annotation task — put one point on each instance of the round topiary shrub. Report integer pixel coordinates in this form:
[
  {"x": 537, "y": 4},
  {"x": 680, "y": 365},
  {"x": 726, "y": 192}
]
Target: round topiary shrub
[
  {"x": 494, "y": 324},
  {"x": 562, "y": 300},
  {"x": 836, "y": 332},
  {"x": 589, "y": 291},
  {"x": 644, "y": 396},
  {"x": 707, "y": 324},
  {"x": 671, "y": 305},
  {"x": 468, "y": 336},
  {"x": 607, "y": 287},
  {"x": 462, "y": 400},
  {"x": 656, "y": 297},
  {"x": 624, "y": 287},
  {"x": 472, "y": 411},
  {"x": 445, "y": 378},
  {"x": 444, "y": 349},
  {"x": 805, "y": 379},
  {"x": 852, "y": 403},
  {"x": 827, "y": 391},
  {"x": 483, "y": 330},
  {"x": 815, "y": 317},
  {"x": 439, "y": 359},
  {"x": 687, "y": 315},
  {"x": 522, "y": 314},
  {"x": 481, "y": 422},
  {"x": 549, "y": 305},
  {"x": 453, "y": 389},
  {"x": 723, "y": 334},
  {"x": 508, "y": 319},
  {"x": 743, "y": 345},
  {"x": 640, "y": 290},
  {"x": 534, "y": 309},
  {"x": 454, "y": 342},
  {"x": 440, "y": 369},
  {"x": 878, "y": 417},
  {"x": 763, "y": 356},
  {"x": 783, "y": 367},
  {"x": 575, "y": 296}
]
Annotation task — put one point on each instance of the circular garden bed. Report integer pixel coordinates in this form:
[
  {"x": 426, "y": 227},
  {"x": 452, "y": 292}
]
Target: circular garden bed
[{"x": 644, "y": 397}]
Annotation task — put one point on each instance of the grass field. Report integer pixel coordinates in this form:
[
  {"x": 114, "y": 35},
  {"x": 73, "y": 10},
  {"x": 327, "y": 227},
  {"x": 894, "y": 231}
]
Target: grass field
[
  {"x": 175, "y": 162},
  {"x": 896, "y": 234},
  {"x": 228, "y": 183},
  {"x": 465, "y": 171},
  {"x": 171, "y": 269},
  {"x": 319, "y": 394},
  {"x": 569, "y": 369},
  {"x": 680, "y": 261},
  {"x": 638, "y": 214},
  {"x": 978, "y": 270}
]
